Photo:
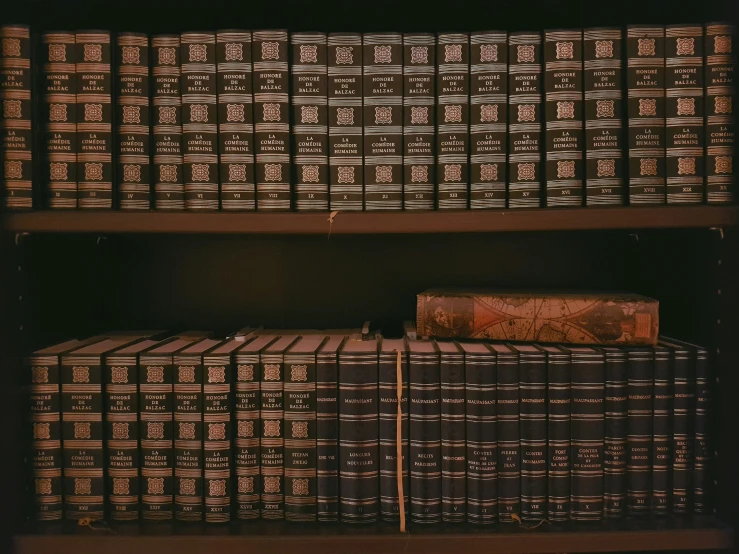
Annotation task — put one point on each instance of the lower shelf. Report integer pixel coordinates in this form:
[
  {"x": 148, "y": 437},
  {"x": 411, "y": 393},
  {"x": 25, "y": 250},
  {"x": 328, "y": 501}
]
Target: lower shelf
[{"x": 672, "y": 533}]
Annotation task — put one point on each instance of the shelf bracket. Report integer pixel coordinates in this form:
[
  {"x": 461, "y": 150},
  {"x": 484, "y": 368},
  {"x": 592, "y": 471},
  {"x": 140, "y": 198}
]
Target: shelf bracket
[
  {"x": 720, "y": 231},
  {"x": 19, "y": 237}
]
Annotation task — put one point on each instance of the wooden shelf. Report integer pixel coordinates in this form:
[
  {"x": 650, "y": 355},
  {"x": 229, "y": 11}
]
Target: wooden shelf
[
  {"x": 697, "y": 533},
  {"x": 471, "y": 221}
]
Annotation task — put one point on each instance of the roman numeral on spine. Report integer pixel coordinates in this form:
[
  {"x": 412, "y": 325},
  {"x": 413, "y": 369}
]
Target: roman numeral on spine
[
  {"x": 509, "y": 435},
  {"x": 327, "y": 430},
  {"x": 616, "y": 427},
  {"x": 246, "y": 454},
  {"x": 663, "y": 415},
  {"x": 639, "y": 447},
  {"x": 453, "y": 446},
  {"x": 558, "y": 427},
  {"x": 217, "y": 432}
]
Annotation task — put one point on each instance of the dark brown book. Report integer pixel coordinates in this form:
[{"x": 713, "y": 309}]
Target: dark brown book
[
  {"x": 235, "y": 120},
  {"x": 309, "y": 102},
  {"x": 508, "y": 433},
  {"x": 132, "y": 116},
  {"x": 94, "y": 120},
  {"x": 200, "y": 120},
  {"x": 16, "y": 138},
  {"x": 645, "y": 77},
  {"x": 452, "y": 120},
  {"x": 272, "y": 120},
  {"x": 383, "y": 121},
  {"x": 488, "y": 119},
  {"x": 616, "y": 428},
  {"x": 685, "y": 140},
  {"x": 169, "y": 187},
  {"x": 604, "y": 109},
  {"x": 524, "y": 124},
  {"x": 345, "y": 121},
  {"x": 563, "y": 86},
  {"x": 720, "y": 82},
  {"x": 59, "y": 117}
]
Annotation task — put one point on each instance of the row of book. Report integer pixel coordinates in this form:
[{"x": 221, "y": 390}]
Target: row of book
[
  {"x": 236, "y": 120},
  {"x": 310, "y": 425}
]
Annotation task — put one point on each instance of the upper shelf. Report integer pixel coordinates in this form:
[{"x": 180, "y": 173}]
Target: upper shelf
[{"x": 470, "y": 221}]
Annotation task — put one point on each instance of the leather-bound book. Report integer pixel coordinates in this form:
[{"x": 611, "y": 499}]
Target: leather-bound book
[
  {"x": 327, "y": 429},
  {"x": 309, "y": 101},
  {"x": 345, "y": 121},
  {"x": 247, "y": 455},
  {"x": 272, "y": 120},
  {"x": 559, "y": 404},
  {"x": 588, "y": 430},
  {"x": 480, "y": 379},
  {"x": 661, "y": 431},
  {"x": 16, "y": 137},
  {"x": 59, "y": 117},
  {"x": 133, "y": 163},
  {"x": 94, "y": 120},
  {"x": 453, "y": 445},
  {"x": 639, "y": 438},
  {"x": 235, "y": 120},
  {"x": 616, "y": 428},
  {"x": 605, "y": 170},
  {"x": 684, "y": 110},
  {"x": 359, "y": 469},
  {"x": 425, "y": 431},
  {"x": 488, "y": 118},
  {"x": 452, "y": 120},
  {"x": 563, "y": 85},
  {"x": 645, "y": 78},
  {"x": 525, "y": 120},
  {"x": 720, "y": 81},
  {"x": 388, "y": 405},
  {"x": 200, "y": 120},
  {"x": 419, "y": 117},
  {"x": 383, "y": 121},
  {"x": 166, "y": 100},
  {"x": 509, "y": 434}
]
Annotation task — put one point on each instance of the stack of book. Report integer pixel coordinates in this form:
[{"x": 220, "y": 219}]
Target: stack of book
[{"x": 271, "y": 120}]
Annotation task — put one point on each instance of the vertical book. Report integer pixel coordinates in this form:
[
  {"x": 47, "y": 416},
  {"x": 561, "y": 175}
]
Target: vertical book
[
  {"x": 509, "y": 434},
  {"x": 615, "y": 435},
  {"x": 559, "y": 403},
  {"x": 453, "y": 430}
]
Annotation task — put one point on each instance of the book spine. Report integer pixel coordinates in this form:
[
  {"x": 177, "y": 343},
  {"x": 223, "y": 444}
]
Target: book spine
[
  {"x": 419, "y": 96},
  {"x": 702, "y": 444},
  {"x": 200, "y": 118},
  {"x": 639, "y": 437},
  {"x": 16, "y": 137},
  {"x": 59, "y": 168},
  {"x": 509, "y": 440},
  {"x": 488, "y": 119},
  {"x": 616, "y": 427},
  {"x": 604, "y": 111},
  {"x": 327, "y": 433},
  {"x": 645, "y": 76},
  {"x": 310, "y": 120},
  {"x": 169, "y": 188},
  {"x": 425, "y": 437},
  {"x": 683, "y": 431},
  {"x": 588, "y": 429},
  {"x": 300, "y": 438},
  {"x": 82, "y": 434},
  {"x": 388, "y": 395},
  {"x": 721, "y": 43},
  {"x": 272, "y": 120},
  {"x": 94, "y": 120},
  {"x": 684, "y": 109},
  {"x": 453, "y": 438},
  {"x": 132, "y": 115},
  {"x": 383, "y": 121},
  {"x": 123, "y": 474},
  {"x": 345, "y": 121},
  {"x": 156, "y": 399},
  {"x": 559, "y": 399},
  {"x": 235, "y": 120},
  {"x": 563, "y": 85},
  {"x": 524, "y": 127},
  {"x": 272, "y": 443},
  {"x": 188, "y": 438},
  {"x": 452, "y": 120},
  {"x": 533, "y": 413},
  {"x": 217, "y": 432},
  {"x": 482, "y": 441},
  {"x": 46, "y": 437},
  {"x": 359, "y": 438},
  {"x": 661, "y": 433},
  {"x": 247, "y": 455}
]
